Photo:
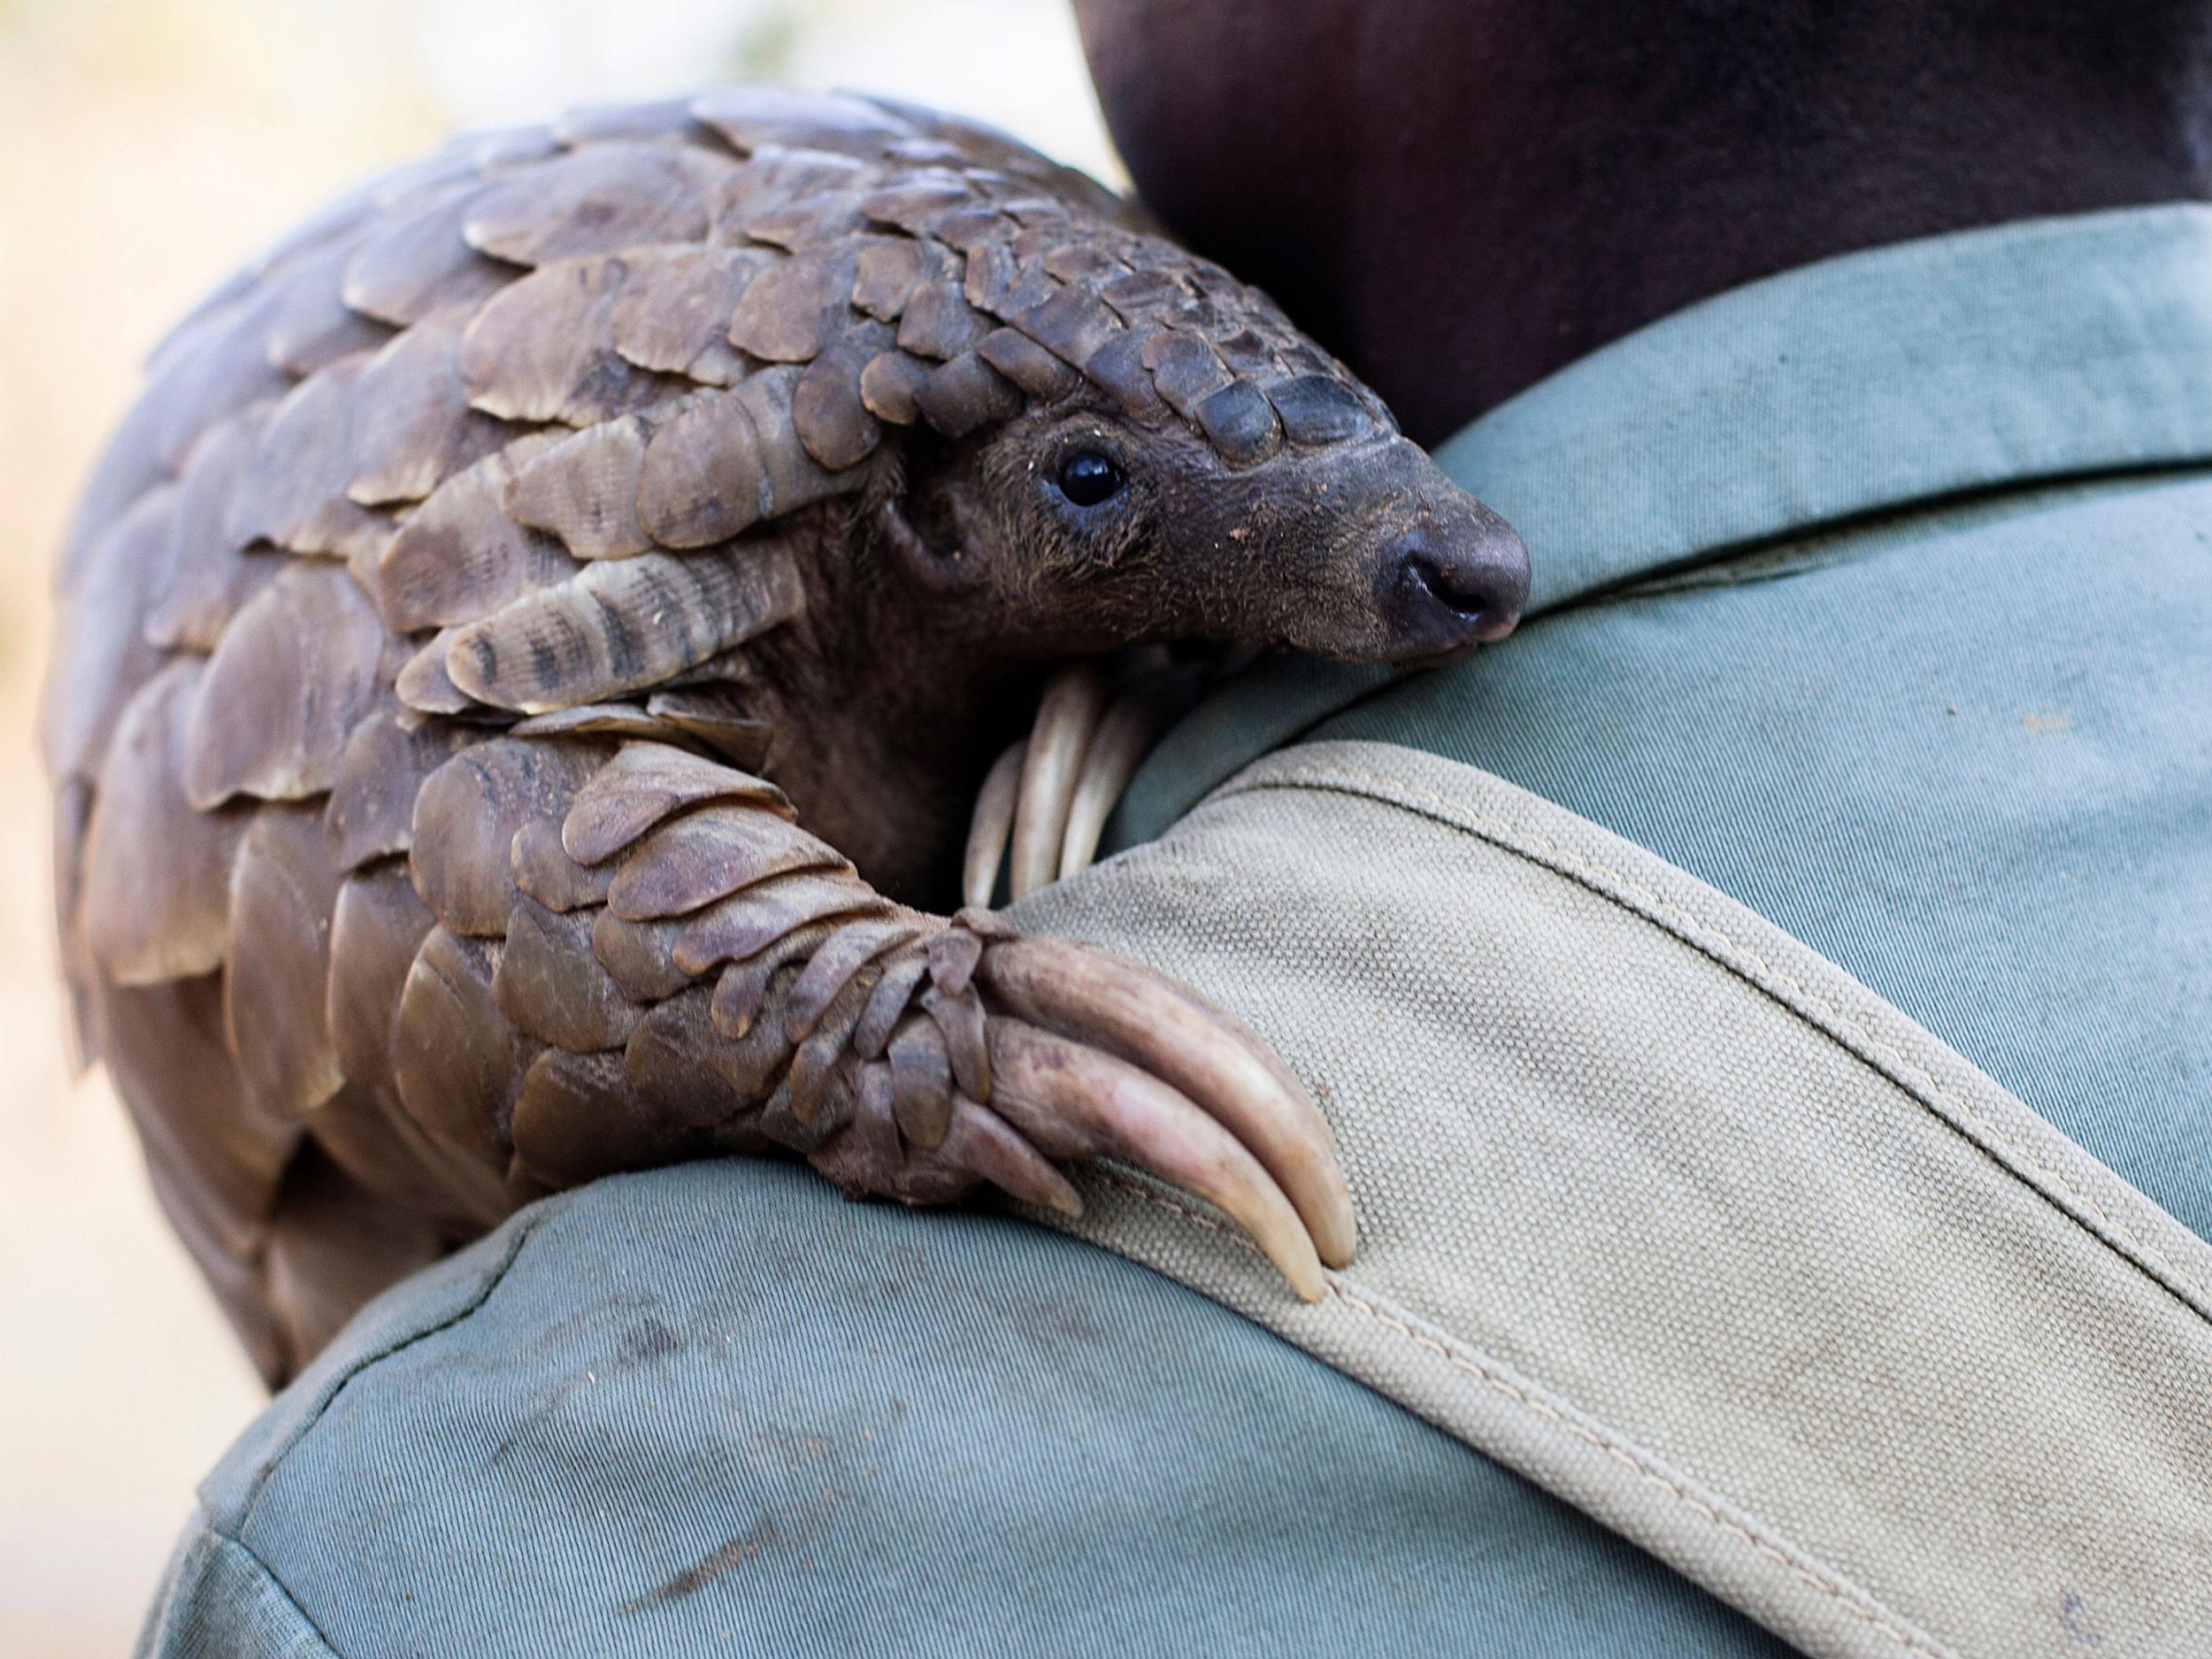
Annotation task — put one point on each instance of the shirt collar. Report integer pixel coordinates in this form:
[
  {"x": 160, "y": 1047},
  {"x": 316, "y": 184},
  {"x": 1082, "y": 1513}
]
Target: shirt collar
[
  {"x": 2019, "y": 354},
  {"x": 2025, "y": 352}
]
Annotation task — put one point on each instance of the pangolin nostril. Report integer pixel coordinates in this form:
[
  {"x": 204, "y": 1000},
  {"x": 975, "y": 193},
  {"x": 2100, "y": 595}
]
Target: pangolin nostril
[
  {"x": 1472, "y": 593},
  {"x": 1470, "y": 587}
]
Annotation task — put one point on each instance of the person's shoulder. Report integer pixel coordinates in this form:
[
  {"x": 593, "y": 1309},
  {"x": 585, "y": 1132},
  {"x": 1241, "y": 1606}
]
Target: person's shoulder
[
  {"x": 432, "y": 1305},
  {"x": 631, "y": 1389},
  {"x": 630, "y": 1275},
  {"x": 716, "y": 1408}
]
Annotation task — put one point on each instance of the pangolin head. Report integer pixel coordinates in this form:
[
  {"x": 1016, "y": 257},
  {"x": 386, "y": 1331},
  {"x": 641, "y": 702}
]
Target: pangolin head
[
  {"x": 1104, "y": 438},
  {"x": 1206, "y": 472}
]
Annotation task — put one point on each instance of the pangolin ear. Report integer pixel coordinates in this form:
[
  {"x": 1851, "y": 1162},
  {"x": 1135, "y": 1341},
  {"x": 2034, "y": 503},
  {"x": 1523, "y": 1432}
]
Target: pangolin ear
[{"x": 933, "y": 551}]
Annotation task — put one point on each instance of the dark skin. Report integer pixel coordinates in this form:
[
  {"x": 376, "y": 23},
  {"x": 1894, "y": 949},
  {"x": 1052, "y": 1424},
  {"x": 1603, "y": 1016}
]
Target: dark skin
[{"x": 1459, "y": 196}]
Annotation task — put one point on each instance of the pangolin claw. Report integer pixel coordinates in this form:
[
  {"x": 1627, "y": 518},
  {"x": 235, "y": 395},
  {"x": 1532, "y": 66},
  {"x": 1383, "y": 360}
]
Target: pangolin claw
[
  {"x": 1202, "y": 1052},
  {"x": 1096, "y": 1054},
  {"x": 1049, "y": 795},
  {"x": 1013, "y": 1054},
  {"x": 1058, "y": 1091}
]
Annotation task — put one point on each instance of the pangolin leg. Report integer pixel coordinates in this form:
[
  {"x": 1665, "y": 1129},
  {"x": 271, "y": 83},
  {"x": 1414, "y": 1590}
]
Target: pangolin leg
[
  {"x": 1051, "y": 794},
  {"x": 905, "y": 1056},
  {"x": 1080, "y": 1054}
]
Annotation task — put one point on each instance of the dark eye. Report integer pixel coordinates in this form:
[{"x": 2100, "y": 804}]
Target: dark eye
[{"x": 1087, "y": 478}]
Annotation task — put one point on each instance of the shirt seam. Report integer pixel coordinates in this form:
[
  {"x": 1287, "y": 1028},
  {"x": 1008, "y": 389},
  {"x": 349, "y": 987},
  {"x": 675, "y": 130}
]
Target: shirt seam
[
  {"x": 1535, "y": 436},
  {"x": 521, "y": 1235},
  {"x": 269, "y": 1577},
  {"x": 1875, "y": 1052},
  {"x": 1851, "y": 1598}
]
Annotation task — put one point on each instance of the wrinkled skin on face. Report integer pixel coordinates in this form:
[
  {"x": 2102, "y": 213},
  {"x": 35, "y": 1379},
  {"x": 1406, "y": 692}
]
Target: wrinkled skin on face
[
  {"x": 1073, "y": 529},
  {"x": 1081, "y": 531}
]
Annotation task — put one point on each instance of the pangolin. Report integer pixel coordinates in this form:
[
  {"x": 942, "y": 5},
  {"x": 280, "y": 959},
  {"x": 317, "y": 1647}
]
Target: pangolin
[{"x": 526, "y": 656}]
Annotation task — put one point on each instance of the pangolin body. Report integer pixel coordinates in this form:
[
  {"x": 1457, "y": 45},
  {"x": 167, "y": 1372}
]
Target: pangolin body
[{"x": 486, "y": 571}]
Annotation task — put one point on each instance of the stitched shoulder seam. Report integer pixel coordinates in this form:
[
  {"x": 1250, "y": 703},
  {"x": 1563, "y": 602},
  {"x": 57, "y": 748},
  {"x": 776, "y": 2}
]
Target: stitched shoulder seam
[
  {"x": 520, "y": 1236},
  {"x": 1850, "y": 1597},
  {"x": 269, "y": 1577}
]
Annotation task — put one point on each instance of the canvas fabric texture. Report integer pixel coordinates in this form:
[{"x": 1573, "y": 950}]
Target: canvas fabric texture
[{"x": 1665, "y": 1210}]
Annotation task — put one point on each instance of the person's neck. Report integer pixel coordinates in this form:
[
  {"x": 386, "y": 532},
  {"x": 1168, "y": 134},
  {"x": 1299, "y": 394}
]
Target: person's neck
[
  {"x": 1450, "y": 313},
  {"x": 1462, "y": 197}
]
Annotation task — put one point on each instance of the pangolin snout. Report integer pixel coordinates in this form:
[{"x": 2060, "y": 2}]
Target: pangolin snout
[{"x": 1450, "y": 585}]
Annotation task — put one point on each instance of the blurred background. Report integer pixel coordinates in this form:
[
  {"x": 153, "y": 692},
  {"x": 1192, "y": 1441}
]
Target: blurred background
[{"x": 150, "y": 145}]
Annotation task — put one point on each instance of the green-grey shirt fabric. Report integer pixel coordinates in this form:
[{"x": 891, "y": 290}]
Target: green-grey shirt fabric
[{"x": 1876, "y": 594}]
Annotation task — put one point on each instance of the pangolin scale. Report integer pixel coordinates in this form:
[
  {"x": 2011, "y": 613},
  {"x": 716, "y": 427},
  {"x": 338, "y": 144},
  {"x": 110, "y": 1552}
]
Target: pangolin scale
[{"x": 487, "y": 569}]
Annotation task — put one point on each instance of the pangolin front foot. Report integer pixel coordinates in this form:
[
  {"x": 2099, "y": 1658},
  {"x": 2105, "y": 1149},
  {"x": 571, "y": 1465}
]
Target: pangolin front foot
[
  {"x": 707, "y": 976},
  {"x": 1016, "y": 1054},
  {"x": 1043, "y": 809}
]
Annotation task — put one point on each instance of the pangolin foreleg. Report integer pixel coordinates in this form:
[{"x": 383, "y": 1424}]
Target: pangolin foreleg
[{"x": 639, "y": 954}]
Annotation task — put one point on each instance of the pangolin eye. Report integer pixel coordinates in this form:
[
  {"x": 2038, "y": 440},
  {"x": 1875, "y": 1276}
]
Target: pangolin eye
[{"x": 1087, "y": 478}]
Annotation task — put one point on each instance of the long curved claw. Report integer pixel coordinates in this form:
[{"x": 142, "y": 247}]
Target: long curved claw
[
  {"x": 1066, "y": 718},
  {"x": 1201, "y": 1052},
  {"x": 991, "y": 825},
  {"x": 1072, "y": 1100},
  {"x": 1051, "y": 794},
  {"x": 1124, "y": 738},
  {"x": 980, "y": 1140}
]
